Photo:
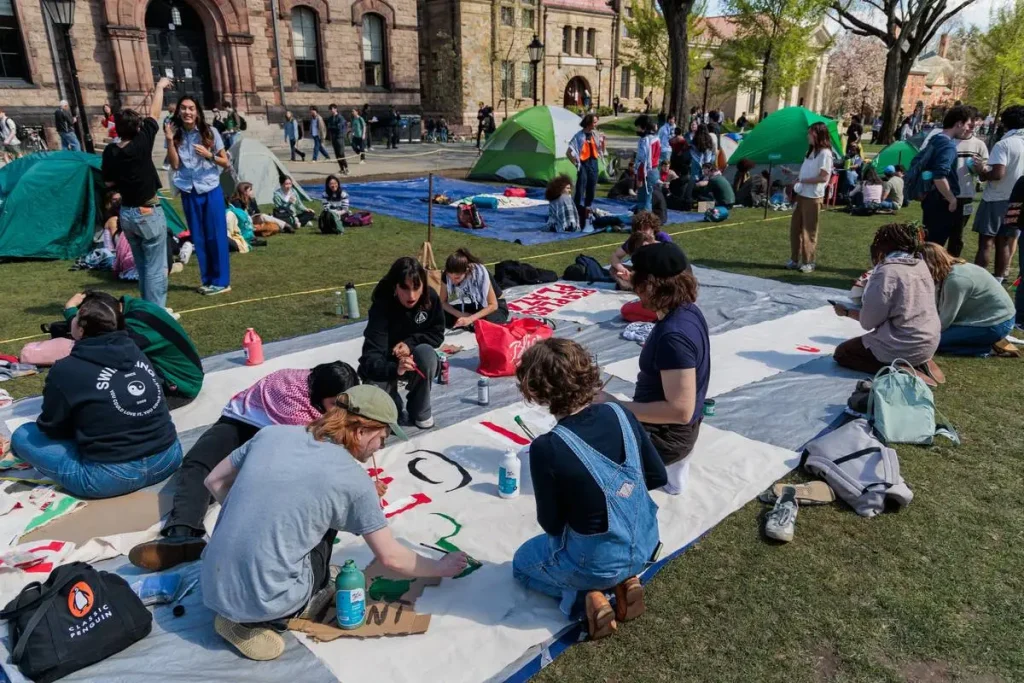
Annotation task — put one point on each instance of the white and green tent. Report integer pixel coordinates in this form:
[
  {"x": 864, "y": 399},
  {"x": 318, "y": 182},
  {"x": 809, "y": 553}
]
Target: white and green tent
[{"x": 530, "y": 148}]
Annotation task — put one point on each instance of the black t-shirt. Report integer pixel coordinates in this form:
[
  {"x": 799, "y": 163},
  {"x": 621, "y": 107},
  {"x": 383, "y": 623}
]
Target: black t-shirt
[
  {"x": 131, "y": 167},
  {"x": 855, "y": 132},
  {"x": 562, "y": 486}
]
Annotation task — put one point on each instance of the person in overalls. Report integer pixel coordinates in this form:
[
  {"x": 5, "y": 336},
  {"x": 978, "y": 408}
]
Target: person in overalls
[
  {"x": 584, "y": 151},
  {"x": 591, "y": 476}
]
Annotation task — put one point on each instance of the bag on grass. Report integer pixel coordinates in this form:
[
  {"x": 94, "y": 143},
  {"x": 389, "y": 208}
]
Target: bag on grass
[
  {"x": 80, "y": 616},
  {"x": 502, "y": 346},
  {"x": 469, "y": 217},
  {"x": 357, "y": 219},
  {"x": 329, "y": 223},
  {"x": 430, "y": 265},
  {"x": 902, "y": 409},
  {"x": 861, "y": 470}
]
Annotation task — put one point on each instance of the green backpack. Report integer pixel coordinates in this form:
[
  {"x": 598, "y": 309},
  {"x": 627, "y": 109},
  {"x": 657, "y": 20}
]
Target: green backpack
[{"x": 901, "y": 407}]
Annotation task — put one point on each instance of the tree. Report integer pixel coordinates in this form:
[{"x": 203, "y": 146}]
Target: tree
[
  {"x": 905, "y": 27},
  {"x": 648, "y": 54},
  {"x": 772, "y": 49},
  {"x": 847, "y": 78},
  {"x": 677, "y": 14},
  {"x": 995, "y": 64}
]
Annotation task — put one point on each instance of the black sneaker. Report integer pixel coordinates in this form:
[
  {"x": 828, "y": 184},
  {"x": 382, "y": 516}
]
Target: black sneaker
[
  {"x": 858, "y": 403},
  {"x": 164, "y": 553}
]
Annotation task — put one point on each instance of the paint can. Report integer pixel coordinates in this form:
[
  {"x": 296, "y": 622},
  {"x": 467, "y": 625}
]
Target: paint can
[
  {"x": 709, "y": 407},
  {"x": 350, "y": 596},
  {"x": 508, "y": 475},
  {"x": 443, "y": 376},
  {"x": 483, "y": 391}
]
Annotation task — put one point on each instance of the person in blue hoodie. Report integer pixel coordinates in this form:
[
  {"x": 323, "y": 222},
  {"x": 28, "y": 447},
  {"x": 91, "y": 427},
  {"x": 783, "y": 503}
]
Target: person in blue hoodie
[{"x": 104, "y": 429}]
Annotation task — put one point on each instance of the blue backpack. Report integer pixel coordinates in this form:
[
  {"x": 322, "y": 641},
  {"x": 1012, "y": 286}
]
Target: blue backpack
[{"x": 915, "y": 185}]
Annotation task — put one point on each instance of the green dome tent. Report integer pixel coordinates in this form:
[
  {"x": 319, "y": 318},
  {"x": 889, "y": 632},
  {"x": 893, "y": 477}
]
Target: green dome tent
[
  {"x": 902, "y": 152},
  {"x": 781, "y": 138},
  {"x": 530, "y": 148}
]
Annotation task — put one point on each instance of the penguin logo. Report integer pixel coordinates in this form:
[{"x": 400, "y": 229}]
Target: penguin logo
[
  {"x": 421, "y": 317},
  {"x": 136, "y": 388},
  {"x": 80, "y": 600}
]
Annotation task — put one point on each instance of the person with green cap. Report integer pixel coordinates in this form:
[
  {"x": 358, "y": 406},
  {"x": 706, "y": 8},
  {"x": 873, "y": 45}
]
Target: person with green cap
[{"x": 268, "y": 559}]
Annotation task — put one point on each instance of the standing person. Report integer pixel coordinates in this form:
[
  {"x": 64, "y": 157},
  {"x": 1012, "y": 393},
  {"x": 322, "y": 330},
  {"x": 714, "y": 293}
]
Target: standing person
[
  {"x": 233, "y": 124},
  {"x": 809, "y": 191},
  {"x": 370, "y": 120},
  {"x": 742, "y": 122},
  {"x": 269, "y": 557},
  {"x": 481, "y": 121},
  {"x": 358, "y": 135},
  {"x": 939, "y": 205},
  {"x": 876, "y": 130},
  {"x": 615, "y": 106},
  {"x": 665, "y": 134},
  {"x": 108, "y": 123},
  {"x": 404, "y": 326},
  {"x": 9, "y": 135},
  {"x": 1004, "y": 168},
  {"x": 337, "y": 128},
  {"x": 65, "y": 123},
  {"x": 128, "y": 167},
  {"x": 648, "y": 155},
  {"x": 854, "y": 132},
  {"x": 586, "y": 100},
  {"x": 469, "y": 285},
  {"x": 198, "y": 157},
  {"x": 971, "y": 155},
  {"x": 648, "y": 102},
  {"x": 394, "y": 127},
  {"x": 591, "y": 476},
  {"x": 585, "y": 153},
  {"x": 292, "y": 133},
  {"x": 317, "y": 131},
  {"x": 906, "y": 129}
]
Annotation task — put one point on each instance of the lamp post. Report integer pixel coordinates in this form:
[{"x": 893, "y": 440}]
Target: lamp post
[
  {"x": 599, "y": 65},
  {"x": 842, "y": 100},
  {"x": 536, "y": 50},
  {"x": 706, "y": 72},
  {"x": 863, "y": 101},
  {"x": 62, "y": 16}
]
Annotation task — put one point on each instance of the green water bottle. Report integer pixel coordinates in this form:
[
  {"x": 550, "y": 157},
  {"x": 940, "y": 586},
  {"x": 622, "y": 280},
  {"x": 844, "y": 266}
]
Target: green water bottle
[{"x": 350, "y": 596}]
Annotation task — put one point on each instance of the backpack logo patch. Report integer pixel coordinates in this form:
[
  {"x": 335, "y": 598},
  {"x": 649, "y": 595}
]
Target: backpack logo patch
[{"x": 80, "y": 600}]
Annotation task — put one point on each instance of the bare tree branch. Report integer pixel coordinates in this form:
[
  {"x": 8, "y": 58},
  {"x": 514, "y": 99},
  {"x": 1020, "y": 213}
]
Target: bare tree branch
[{"x": 856, "y": 23}]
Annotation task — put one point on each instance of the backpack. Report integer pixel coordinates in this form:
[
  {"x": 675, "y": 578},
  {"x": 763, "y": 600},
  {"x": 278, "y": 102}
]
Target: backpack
[
  {"x": 242, "y": 124},
  {"x": 586, "y": 269},
  {"x": 862, "y": 471},
  {"x": 915, "y": 186},
  {"x": 469, "y": 217},
  {"x": 357, "y": 218},
  {"x": 329, "y": 224},
  {"x": 512, "y": 273},
  {"x": 901, "y": 407}
]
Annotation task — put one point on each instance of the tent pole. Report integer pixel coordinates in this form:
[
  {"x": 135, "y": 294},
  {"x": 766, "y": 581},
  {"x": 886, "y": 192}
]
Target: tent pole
[
  {"x": 769, "y": 197},
  {"x": 430, "y": 206}
]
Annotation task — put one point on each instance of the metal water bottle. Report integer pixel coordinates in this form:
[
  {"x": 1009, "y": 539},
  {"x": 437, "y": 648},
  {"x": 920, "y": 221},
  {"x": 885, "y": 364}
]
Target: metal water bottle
[
  {"x": 483, "y": 391},
  {"x": 339, "y": 304},
  {"x": 350, "y": 596},
  {"x": 352, "y": 301}
]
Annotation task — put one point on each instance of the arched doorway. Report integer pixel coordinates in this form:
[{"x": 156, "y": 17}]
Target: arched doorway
[
  {"x": 177, "y": 50},
  {"x": 574, "y": 92}
]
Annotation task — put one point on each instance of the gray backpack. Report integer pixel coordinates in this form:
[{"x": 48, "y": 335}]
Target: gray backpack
[{"x": 864, "y": 472}]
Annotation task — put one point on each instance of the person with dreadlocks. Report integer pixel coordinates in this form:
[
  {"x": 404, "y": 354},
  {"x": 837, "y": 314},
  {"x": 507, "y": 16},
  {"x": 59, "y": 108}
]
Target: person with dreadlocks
[{"x": 898, "y": 309}]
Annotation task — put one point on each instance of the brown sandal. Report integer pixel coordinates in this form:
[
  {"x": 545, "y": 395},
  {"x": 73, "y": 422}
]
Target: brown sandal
[
  {"x": 600, "y": 616},
  {"x": 629, "y": 599}
]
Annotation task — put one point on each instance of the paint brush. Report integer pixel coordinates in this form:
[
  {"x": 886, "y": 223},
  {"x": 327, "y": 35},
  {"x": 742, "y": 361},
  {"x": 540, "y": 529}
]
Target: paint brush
[
  {"x": 606, "y": 382},
  {"x": 526, "y": 430},
  {"x": 434, "y": 547}
]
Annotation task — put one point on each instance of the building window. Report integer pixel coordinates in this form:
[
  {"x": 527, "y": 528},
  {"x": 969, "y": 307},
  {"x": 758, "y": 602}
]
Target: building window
[
  {"x": 638, "y": 86},
  {"x": 13, "y": 64},
  {"x": 373, "y": 50},
  {"x": 306, "y": 47},
  {"x": 752, "y": 101},
  {"x": 526, "y": 79},
  {"x": 579, "y": 40},
  {"x": 567, "y": 39},
  {"x": 624, "y": 87},
  {"x": 508, "y": 16},
  {"x": 529, "y": 17},
  {"x": 508, "y": 86},
  {"x": 591, "y": 40}
]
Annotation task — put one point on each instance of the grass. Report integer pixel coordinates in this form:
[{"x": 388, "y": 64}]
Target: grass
[
  {"x": 621, "y": 126},
  {"x": 933, "y": 593}
]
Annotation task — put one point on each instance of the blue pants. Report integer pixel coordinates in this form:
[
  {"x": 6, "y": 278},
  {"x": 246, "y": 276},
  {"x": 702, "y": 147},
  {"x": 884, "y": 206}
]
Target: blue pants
[
  {"x": 60, "y": 460},
  {"x": 960, "y": 340},
  {"x": 318, "y": 147},
  {"x": 645, "y": 192},
  {"x": 205, "y": 215},
  {"x": 1019, "y": 299},
  {"x": 586, "y": 184},
  {"x": 69, "y": 141},
  {"x": 146, "y": 231}
]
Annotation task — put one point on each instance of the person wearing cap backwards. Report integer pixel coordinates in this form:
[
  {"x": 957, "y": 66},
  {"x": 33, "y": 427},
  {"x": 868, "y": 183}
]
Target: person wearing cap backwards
[
  {"x": 675, "y": 364},
  {"x": 268, "y": 559}
]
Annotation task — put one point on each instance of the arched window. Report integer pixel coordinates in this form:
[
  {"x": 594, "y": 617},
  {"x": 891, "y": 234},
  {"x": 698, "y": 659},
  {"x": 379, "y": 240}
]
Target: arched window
[
  {"x": 13, "y": 62},
  {"x": 306, "y": 47},
  {"x": 373, "y": 50}
]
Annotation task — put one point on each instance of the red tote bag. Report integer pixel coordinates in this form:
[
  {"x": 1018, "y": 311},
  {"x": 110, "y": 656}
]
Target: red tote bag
[{"x": 502, "y": 346}]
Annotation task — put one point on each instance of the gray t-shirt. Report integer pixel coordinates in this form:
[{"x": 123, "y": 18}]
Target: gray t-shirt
[{"x": 290, "y": 490}]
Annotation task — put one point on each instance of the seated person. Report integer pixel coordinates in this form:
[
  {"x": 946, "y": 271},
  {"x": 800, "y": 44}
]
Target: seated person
[
  {"x": 644, "y": 222},
  {"x": 675, "y": 363},
  {"x": 284, "y": 397},
  {"x": 469, "y": 286},
  {"x": 974, "y": 310},
  {"x": 898, "y": 309},
  {"x": 104, "y": 429},
  {"x": 713, "y": 187},
  {"x": 269, "y": 555},
  {"x": 335, "y": 198},
  {"x": 404, "y": 326},
  {"x": 591, "y": 475},
  {"x": 743, "y": 169},
  {"x": 754, "y": 191},
  {"x": 666, "y": 175},
  {"x": 289, "y": 207},
  {"x": 263, "y": 224},
  {"x": 868, "y": 191},
  {"x": 892, "y": 188},
  {"x": 562, "y": 214},
  {"x": 626, "y": 184}
]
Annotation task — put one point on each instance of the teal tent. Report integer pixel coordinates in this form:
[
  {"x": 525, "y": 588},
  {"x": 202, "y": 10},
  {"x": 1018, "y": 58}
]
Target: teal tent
[
  {"x": 50, "y": 205},
  {"x": 900, "y": 152},
  {"x": 781, "y": 138}
]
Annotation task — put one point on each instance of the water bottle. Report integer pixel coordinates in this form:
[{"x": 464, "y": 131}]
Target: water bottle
[
  {"x": 352, "y": 301},
  {"x": 252, "y": 345},
  {"x": 483, "y": 391},
  {"x": 339, "y": 304},
  {"x": 350, "y": 596},
  {"x": 508, "y": 475}
]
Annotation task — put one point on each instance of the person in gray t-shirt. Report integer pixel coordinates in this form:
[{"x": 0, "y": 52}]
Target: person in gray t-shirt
[{"x": 285, "y": 495}]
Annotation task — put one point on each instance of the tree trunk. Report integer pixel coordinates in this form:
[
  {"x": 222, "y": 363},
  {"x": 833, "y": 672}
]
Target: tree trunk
[
  {"x": 894, "y": 80},
  {"x": 676, "y": 13},
  {"x": 764, "y": 86}
]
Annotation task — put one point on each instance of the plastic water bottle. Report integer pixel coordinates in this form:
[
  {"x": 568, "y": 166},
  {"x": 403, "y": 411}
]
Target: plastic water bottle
[
  {"x": 350, "y": 596},
  {"x": 352, "y": 301},
  {"x": 508, "y": 475},
  {"x": 339, "y": 304},
  {"x": 483, "y": 391},
  {"x": 252, "y": 345}
]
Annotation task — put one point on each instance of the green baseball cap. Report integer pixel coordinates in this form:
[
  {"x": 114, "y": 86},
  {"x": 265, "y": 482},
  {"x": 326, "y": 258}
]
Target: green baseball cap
[{"x": 366, "y": 400}]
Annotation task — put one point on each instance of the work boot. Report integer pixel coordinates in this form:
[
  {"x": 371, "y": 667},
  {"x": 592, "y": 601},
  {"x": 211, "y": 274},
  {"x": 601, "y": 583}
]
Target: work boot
[
  {"x": 180, "y": 545},
  {"x": 600, "y": 616},
  {"x": 629, "y": 599},
  {"x": 255, "y": 642}
]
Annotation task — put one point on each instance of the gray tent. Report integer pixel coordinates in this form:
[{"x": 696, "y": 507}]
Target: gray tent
[{"x": 253, "y": 162}]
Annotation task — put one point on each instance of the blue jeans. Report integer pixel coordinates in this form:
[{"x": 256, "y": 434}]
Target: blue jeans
[
  {"x": 59, "y": 459},
  {"x": 204, "y": 213},
  {"x": 645, "y": 193},
  {"x": 318, "y": 147},
  {"x": 1019, "y": 298},
  {"x": 961, "y": 340},
  {"x": 69, "y": 141},
  {"x": 146, "y": 231},
  {"x": 586, "y": 183}
]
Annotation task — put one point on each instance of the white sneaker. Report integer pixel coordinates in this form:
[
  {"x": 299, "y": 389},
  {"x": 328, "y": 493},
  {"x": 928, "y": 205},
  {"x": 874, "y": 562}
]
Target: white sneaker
[
  {"x": 170, "y": 312},
  {"x": 807, "y": 268},
  {"x": 781, "y": 521},
  {"x": 792, "y": 265},
  {"x": 425, "y": 424},
  {"x": 185, "y": 253}
]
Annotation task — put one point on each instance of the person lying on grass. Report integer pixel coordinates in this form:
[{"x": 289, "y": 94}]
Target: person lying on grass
[
  {"x": 469, "y": 285},
  {"x": 646, "y": 223},
  {"x": 591, "y": 477},
  {"x": 269, "y": 558},
  {"x": 284, "y": 397}
]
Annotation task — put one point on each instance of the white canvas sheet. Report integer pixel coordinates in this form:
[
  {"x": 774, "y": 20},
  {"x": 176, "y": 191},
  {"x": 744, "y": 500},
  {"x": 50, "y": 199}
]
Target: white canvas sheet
[
  {"x": 755, "y": 352},
  {"x": 486, "y": 621}
]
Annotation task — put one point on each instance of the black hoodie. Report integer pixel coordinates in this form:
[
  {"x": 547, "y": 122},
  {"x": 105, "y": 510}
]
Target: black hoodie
[
  {"x": 106, "y": 397},
  {"x": 388, "y": 323}
]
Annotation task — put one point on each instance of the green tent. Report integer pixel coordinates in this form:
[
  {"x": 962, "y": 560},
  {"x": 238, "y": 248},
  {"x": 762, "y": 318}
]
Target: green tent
[
  {"x": 175, "y": 224},
  {"x": 902, "y": 152},
  {"x": 50, "y": 205},
  {"x": 781, "y": 138},
  {"x": 530, "y": 148}
]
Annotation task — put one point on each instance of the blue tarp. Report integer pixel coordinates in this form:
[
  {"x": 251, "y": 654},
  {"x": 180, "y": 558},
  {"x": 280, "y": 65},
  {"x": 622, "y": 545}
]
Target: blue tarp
[{"x": 407, "y": 199}]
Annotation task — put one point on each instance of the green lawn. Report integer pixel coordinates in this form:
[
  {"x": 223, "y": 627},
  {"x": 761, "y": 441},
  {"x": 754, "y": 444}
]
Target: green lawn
[
  {"x": 621, "y": 126},
  {"x": 934, "y": 593}
]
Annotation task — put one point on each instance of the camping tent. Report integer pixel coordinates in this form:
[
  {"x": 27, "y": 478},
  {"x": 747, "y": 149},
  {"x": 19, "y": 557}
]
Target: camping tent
[
  {"x": 51, "y": 205},
  {"x": 530, "y": 147},
  {"x": 781, "y": 138},
  {"x": 252, "y": 162},
  {"x": 901, "y": 152}
]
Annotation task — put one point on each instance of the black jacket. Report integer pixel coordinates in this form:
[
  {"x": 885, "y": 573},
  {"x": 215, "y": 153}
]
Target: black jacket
[
  {"x": 388, "y": 323},
  {"x": 106, "y": 397}
]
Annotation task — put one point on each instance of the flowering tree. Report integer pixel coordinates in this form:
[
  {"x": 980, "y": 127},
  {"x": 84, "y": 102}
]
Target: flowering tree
[{"x": 854, "y": 64}]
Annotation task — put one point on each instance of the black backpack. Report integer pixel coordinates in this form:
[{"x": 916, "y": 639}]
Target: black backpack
[
  {"x": 80, "y": 616},
  {"x": 329, "y": 223}
]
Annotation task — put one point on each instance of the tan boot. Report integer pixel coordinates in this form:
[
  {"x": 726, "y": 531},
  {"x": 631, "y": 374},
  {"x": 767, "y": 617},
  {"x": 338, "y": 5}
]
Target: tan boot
[
  {"x": 629, "y": 599},
  {"x": 600, "y": 616},
  {"x": 260, "y": 644}
]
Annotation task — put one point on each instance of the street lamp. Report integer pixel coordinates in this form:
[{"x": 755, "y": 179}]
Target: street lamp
[
  {"x": 536, "y": 50},
  {"x": 599, "y": 65},
  {"x": 863, "y": 100},
  {"x": 62, "y": 16},
  {"x": 706, "y": 72}
]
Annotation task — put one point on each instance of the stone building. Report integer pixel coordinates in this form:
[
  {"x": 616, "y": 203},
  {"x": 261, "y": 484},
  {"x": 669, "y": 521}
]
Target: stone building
[{"x": 263, "y": 55}]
